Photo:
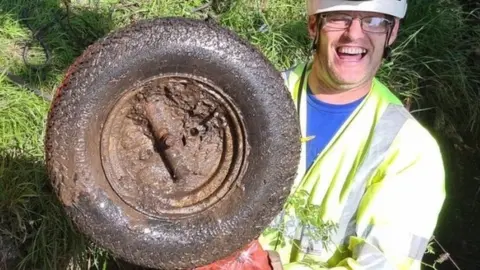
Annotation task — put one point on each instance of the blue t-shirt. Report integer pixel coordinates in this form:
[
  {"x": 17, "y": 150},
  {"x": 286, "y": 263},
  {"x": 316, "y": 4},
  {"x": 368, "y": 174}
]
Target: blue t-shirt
[{"x": 323, "y": 121}]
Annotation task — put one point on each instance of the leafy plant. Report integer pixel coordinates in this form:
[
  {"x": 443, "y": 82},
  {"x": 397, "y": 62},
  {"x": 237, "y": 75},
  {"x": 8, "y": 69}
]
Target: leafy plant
[{"x": 299, "y": 213}]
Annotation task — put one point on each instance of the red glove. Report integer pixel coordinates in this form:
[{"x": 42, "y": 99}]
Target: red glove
[{"x": 253, "y": 257}]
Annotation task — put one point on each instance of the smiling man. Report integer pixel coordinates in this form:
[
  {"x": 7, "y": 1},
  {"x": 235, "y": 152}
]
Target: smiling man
[{"x": 368, "y": 167}]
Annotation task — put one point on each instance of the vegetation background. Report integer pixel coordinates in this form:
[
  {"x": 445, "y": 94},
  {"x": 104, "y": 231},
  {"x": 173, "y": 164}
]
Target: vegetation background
[{"x": 434, "y": 69}]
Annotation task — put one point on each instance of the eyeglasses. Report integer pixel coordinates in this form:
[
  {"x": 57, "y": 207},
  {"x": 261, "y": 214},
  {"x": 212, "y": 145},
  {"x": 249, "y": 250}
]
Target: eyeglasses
[{"x": 374, "y": 24}]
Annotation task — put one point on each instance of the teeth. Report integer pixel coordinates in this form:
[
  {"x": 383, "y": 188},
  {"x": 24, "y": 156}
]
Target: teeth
[{"x": 351, "y": 50}]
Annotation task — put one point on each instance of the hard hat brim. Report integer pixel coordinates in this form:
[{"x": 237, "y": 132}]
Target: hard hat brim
[{"x": 394, "y": 8}]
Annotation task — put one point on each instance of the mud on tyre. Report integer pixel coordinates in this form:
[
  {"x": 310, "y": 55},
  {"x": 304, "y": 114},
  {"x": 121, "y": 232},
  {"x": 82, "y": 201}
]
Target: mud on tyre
[{"x": 172, "y": 143}]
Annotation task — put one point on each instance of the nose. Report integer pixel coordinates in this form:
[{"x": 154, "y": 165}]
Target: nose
[{"x": 355, "y": 30}]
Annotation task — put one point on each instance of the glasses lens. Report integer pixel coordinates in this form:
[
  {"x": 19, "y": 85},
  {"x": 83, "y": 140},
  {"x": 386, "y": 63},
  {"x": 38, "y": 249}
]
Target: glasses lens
[
  {"x": 337, "y": 21},
  {"x": 375, "y": 24}
]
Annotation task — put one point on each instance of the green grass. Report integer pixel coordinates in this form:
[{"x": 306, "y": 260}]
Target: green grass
[{"x": 431, "y": 64}]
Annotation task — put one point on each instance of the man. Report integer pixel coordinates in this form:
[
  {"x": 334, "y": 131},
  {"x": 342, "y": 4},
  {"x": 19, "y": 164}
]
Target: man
[{"x": 368, "y": 167}]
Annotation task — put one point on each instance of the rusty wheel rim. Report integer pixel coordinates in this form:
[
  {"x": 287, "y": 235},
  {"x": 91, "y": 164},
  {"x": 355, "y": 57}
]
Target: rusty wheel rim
[{"x": 173, "y": 146}]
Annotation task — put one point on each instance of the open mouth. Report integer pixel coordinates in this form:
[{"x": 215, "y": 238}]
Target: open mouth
[{"x": 351, "y": 53}]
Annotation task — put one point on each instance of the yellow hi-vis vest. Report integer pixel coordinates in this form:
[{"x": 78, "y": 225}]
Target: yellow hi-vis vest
[{"x": 377, "y": 187}]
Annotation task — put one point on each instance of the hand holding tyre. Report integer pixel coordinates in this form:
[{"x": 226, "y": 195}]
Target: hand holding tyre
[{"x": 253, "y": 257}]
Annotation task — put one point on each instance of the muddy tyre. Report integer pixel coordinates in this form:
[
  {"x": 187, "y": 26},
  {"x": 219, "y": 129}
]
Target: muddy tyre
[{"x": 172, "y": 143}]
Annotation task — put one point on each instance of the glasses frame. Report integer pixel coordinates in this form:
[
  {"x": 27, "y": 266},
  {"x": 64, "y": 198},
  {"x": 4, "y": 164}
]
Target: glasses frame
[{"x": 324, "y": 17}]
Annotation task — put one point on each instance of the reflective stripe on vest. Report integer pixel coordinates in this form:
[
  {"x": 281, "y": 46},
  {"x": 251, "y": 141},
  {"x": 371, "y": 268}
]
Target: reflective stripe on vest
[
  {"x": 384, "y": 134},
  {"x": 370, "y": 256}
]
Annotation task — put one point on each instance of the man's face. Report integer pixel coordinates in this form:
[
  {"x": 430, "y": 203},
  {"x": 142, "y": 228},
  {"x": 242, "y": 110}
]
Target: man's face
[{"x": 348, "y": 58}]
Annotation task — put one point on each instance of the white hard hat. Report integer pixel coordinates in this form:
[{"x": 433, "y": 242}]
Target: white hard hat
[{"x": 396, "y": 8}]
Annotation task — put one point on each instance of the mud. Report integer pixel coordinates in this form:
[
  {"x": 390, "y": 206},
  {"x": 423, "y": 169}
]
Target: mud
[{"x": 171, "y": 147}]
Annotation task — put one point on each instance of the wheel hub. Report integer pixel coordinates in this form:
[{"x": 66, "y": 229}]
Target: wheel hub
[{"x": 173, "y": 146}]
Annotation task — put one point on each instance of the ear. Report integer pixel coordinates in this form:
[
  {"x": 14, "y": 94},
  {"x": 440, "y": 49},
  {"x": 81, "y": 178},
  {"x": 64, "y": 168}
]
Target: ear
[
  {"x": 394, "y": 34},
  {"x": 312, "y": 26}
]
